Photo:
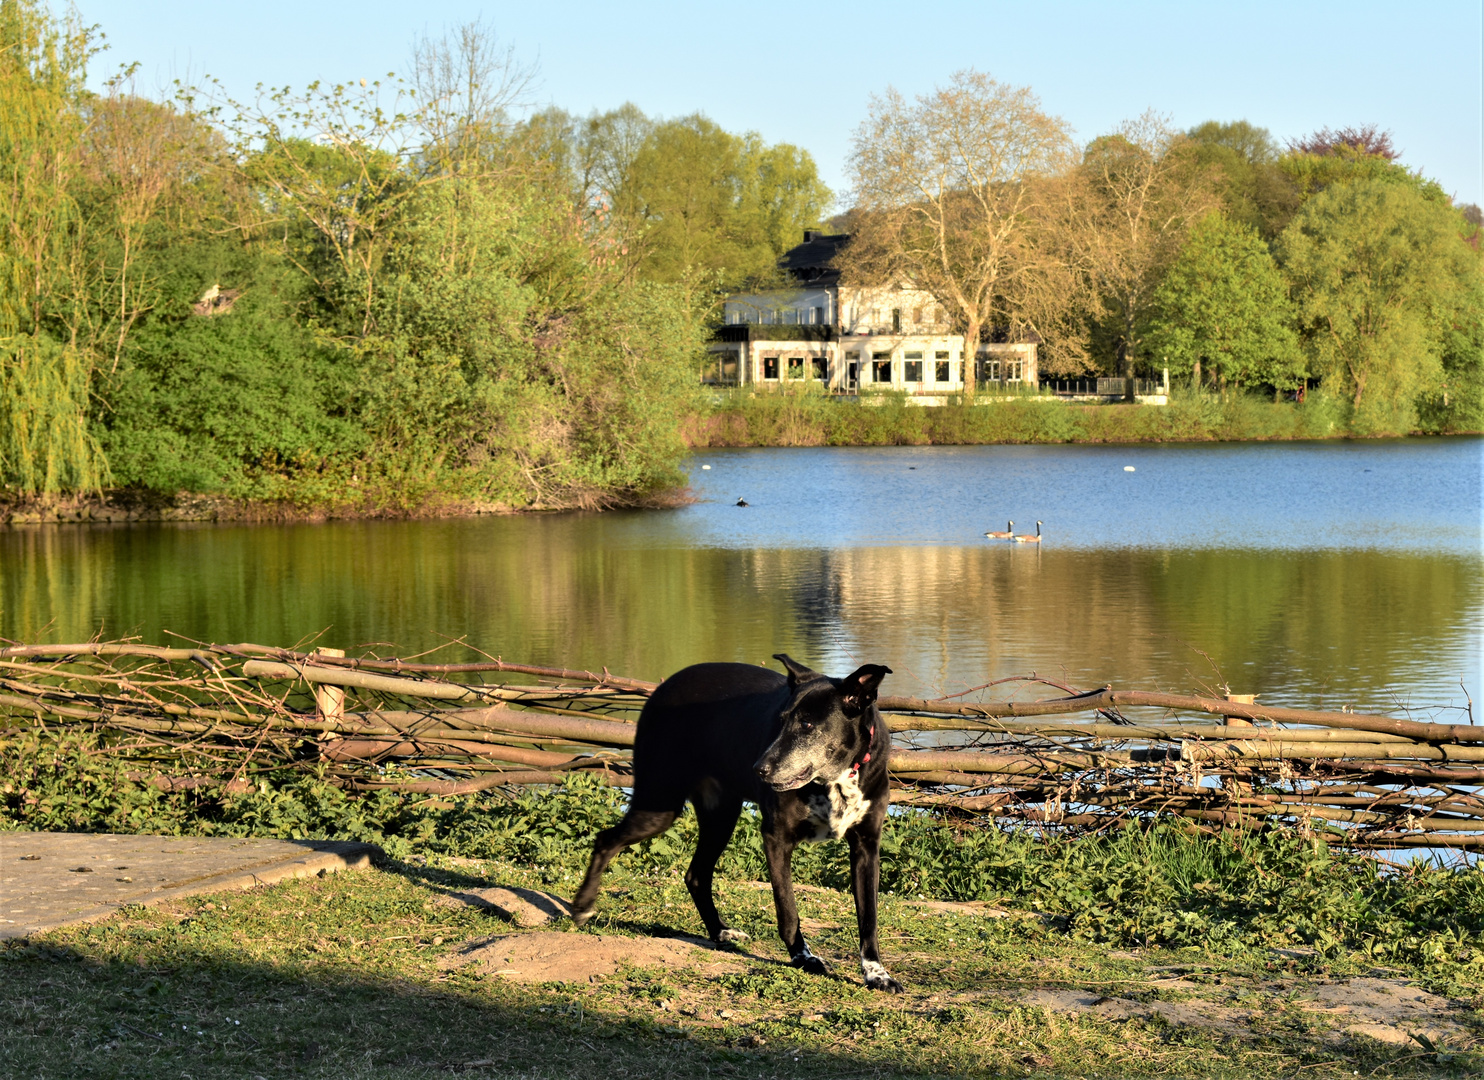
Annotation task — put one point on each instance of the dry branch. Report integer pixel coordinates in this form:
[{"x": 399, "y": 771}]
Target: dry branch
[{"x": 203, "y": 716}]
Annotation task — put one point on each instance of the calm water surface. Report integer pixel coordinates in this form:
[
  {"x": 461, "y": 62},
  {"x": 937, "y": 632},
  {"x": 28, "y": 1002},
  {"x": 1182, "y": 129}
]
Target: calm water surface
[{"x": 1321, "y": 574}]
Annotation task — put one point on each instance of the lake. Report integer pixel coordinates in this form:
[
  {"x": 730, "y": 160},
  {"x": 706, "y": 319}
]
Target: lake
[{"x": 1317, "y": 575}]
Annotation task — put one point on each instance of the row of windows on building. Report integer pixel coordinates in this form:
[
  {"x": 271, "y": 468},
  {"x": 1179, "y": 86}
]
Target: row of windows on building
[
  {"x": 943, "y": 368},
  {"x": 810, "y": 316},
  {"x": 813, "y": 316}
]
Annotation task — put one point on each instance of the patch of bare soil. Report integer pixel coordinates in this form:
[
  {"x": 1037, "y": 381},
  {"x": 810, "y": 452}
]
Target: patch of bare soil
[
  {"x": 553, "y": 956},
  {"x": 1193, "y": 1013},
  {"x": 1387, "y": 1010}
]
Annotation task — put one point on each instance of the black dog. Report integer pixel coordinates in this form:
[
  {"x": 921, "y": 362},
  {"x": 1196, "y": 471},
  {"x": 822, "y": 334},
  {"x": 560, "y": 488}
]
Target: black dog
[{"x": 809, "y": 750}]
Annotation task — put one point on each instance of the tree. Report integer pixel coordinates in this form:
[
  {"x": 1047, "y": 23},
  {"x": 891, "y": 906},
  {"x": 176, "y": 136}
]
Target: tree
[
  {"x": 1223, "y": 308},
  {"x": 1253, "y": 188},
  {"x": 1379, "y": 271},
  {"x": 1368, "y": 140},
  {"x": 137, "y": 156},
  {"x": 1349, "y": 156},
  {"x": 707, "y": 202},
  {"x": 45, "y": 371},
  {"x": 466, "y": 85},
  {"x": 947, "y": 197},
  {"x": 683, "y": 200},
  {"x": 1139, "y": 190},
  {"x": 42, "y": 66}
]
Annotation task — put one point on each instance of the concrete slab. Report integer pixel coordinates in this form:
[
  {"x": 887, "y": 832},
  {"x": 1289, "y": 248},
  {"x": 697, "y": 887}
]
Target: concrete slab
[{"x": 48, "y": 880}]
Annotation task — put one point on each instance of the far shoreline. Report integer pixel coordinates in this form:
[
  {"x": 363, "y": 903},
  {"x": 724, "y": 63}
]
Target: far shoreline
[{"x": 131, "y": 506}]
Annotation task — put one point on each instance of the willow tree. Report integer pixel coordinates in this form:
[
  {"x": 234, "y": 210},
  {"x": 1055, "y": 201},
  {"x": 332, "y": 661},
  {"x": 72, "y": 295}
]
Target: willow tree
[
  {"x": 44, "y": 378},
  {"x": 948, "y": 196},
  {"x": 1381, "y": 275}
]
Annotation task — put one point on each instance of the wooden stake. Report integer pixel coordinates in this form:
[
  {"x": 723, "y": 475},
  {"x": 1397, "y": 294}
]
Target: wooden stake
[{"x": 330, "y": 700}]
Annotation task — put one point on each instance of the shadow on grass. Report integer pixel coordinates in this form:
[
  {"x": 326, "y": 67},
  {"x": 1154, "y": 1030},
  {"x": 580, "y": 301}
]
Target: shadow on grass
[
  {"x": 341, "y": 977},
  {"x": 178, "y": 992},
  {"x": 70, "y": 1014}
]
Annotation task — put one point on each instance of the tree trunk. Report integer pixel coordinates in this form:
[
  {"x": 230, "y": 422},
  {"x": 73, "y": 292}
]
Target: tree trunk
[
  {"x": 1126, "y": 358},
  {"x": 971, "y": 357}
]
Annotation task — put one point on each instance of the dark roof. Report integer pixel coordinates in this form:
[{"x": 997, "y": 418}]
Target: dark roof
[{"x": 809, "y": 262}]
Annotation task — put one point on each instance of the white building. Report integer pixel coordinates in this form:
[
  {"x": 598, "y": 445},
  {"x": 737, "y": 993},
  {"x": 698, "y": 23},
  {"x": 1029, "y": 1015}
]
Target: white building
[{"x": 849, "y": 339}]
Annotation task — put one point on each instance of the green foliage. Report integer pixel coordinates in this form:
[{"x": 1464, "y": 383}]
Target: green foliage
[
  {"x": 1223, "y": 307},
  {"x": 1255, "y": 190},
  {"x": 1162, "y": 883},
  {"x": 45, "y": 446},
  {"x": 1380, "y": 274},
  {"x": 238, "y": 404},
  {"x": 1314, "y": 173},
  {"x": 712, "y": 203},
  {"x": 42, "y": 64},
  {"x": 1457, "y": 404},
  {"x": 804, "y": 419},
  {"x": 517, "y": 365}
]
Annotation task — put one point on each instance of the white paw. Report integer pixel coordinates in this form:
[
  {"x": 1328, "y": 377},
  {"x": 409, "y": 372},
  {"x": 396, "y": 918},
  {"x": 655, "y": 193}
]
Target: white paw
[
  {"x": 878, "y": 978},
  {"x": 729, "y": 935}
]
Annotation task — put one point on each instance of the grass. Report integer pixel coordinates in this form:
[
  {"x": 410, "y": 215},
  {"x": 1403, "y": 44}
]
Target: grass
[{"x": 341, "y": 976}]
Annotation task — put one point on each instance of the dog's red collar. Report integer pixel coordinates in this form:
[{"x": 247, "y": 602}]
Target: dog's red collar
[{"x": 870, "y": 735}]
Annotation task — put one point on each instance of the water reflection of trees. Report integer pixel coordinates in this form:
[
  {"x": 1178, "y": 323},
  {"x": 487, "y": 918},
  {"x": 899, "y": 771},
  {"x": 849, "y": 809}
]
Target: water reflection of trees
[{"x": 1316, "y": 628}]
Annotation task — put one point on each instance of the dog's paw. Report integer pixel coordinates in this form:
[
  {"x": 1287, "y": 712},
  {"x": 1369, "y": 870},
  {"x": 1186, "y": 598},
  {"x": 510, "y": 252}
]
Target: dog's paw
[
  {"x": 813, "y": 965},
  {"x": 580, "y": 917},
  {"x": 728, "y": 936},
  {"x": 878, "y": 978}
]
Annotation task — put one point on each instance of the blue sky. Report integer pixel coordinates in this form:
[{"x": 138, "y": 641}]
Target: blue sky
[{"x": 803, "y": 73}]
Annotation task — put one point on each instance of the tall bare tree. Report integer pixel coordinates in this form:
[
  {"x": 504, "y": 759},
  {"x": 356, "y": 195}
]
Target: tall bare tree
[
  {"x": 137, "y": 154},
  {"x": 1137, "y": 193},
  {"x": 466, "y": 85},
  {"x": 947, "y": 194}
]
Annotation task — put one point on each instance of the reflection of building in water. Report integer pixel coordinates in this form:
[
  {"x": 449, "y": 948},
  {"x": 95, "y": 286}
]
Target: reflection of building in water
[{"x": 945, "y": 618}]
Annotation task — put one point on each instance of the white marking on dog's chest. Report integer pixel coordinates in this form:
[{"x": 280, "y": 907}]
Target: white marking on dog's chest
[{"x": 836, "y": 806}]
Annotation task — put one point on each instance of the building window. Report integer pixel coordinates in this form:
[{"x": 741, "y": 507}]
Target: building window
[
  {"x": 896, "y": 320},
  {"x": 852, "y": 354},
  {"x": 795, "y": 367},
  {"x": 821, "y": 369},
  {"x": 881, "y": 367},
  {"x": 942, "y": 373},
  {"x": 912, "y": 367},
  {"x": 770, "y": 368},
  {"x": 819, "y": 315}
]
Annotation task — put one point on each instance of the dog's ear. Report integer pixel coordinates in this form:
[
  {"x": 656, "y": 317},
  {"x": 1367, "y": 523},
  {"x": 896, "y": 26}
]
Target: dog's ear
[
  {"x": 859, "y": 687},
  {"x": 797, "y": 672}
]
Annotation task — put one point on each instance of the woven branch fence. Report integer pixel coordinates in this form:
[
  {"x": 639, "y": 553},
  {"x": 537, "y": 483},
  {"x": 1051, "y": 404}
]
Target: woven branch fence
[{"x": 216, "y": 716}]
